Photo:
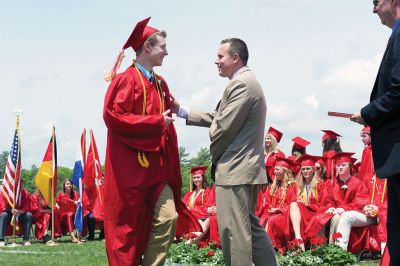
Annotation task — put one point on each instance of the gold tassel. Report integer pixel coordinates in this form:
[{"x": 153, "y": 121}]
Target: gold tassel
[
  {"x": 113, "y": 72},
  {"x": 143, "y": 159}
]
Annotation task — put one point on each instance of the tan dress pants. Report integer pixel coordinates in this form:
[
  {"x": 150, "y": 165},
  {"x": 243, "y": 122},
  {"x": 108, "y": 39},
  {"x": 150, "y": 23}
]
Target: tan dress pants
[
  {"x": 162, "y": 230},
  {"x": 243, "y": 240}
]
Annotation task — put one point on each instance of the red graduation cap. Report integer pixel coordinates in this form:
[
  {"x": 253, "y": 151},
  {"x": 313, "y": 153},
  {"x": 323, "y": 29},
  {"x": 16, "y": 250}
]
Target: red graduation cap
[
  {"x": 276, "y": 133},
  {"x": 137, "y": 38},
  {"x": 329, "y": 134},
  {"x": 344, "y": 157},
  {"x": 366, "y": 129},
  {"x": 139, "y": 35},
  {"x": 300, "y": 143},
  {"x": 284, "y": 162},
  {"x": 198, "y": 170},
  {"x": 307, "y": 160}
]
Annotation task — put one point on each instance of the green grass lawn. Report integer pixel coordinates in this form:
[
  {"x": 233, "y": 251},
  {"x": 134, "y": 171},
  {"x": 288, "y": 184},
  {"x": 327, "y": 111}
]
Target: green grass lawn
[{"x": 66, "y": 253}]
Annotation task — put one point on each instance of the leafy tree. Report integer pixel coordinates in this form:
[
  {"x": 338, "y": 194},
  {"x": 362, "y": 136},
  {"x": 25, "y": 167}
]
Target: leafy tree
[{"x": 3, "y": 161}]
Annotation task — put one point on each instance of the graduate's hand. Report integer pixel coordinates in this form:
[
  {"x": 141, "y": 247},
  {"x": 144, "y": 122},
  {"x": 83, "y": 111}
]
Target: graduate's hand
[
  {"x": 168, "y": 120},
  {"x": 330, "y": 210},
  {"x": 338, "y": 211},
  {"x": 358, "y": 119},
  {"x": 174, "y": 105}
]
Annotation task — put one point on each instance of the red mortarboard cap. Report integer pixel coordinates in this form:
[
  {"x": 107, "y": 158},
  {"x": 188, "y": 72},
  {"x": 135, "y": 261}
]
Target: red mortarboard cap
[
  {"x": 329, "y": 134},
  {"x": 139, "y": 35},
  {"x": 198, "y": 170},
  {"x": 366, "y": 129},
  {"x": 344, "y": 157},
  {"x": 276, "y": 133},
  {"x": 300, "y": 143},
  {"x": 284, "y": 162},
  {"x": 307, "y": 160},
  {"x": 137, "y": 38}
]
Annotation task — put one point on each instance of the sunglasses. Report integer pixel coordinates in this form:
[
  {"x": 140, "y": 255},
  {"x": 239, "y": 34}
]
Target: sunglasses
[{"x": 375, "y": 2}]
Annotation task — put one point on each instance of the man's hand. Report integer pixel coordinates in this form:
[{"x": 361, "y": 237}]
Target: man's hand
[
  {"x": 358, "y": 119},
  {"x": 174, "y": 105},
  {"x": 168, "y": 120}
]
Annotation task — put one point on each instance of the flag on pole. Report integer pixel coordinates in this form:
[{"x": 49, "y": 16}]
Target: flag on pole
[
  {"x": 94, "y": 179},
  {"x": 48, "y": 172},
  {"x": 11, "y": 181},
  {"x": 77, "y": 176}
]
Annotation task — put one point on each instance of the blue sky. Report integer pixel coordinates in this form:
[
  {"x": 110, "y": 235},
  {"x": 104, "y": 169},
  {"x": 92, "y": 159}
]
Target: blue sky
[{"x": 310, "y": 56}]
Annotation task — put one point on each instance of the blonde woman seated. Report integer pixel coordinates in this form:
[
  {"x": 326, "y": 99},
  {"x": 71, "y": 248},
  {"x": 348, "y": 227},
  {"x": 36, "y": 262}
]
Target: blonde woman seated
[
  {"x": 196, "y": 200},
  {"x": 278, "y": 196},
  {"x": 309, "y": 192}
]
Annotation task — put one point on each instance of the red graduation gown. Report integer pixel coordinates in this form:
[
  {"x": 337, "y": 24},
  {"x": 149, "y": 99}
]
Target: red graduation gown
[
  {"x": 336, "y": 197},
  {"x": 329, "y": 162},
  {"x": 277, "y": 223},
  {"x": 131, "y": 190},
  {"x": 198, "y": 206},
  {"x": 42, "y": 219},
  {"x": 366, "y": 170}
]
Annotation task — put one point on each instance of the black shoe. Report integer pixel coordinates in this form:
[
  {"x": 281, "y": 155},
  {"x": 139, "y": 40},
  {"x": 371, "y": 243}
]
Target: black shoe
[
  {"x": 46, "y": 238},
  {"x": 90, "y": 238}
]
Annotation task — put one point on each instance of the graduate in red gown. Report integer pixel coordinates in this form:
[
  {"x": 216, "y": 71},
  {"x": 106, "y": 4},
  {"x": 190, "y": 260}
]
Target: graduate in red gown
[
  {"x": 299, "y": 146},
  {"x": 278, "y": 196},
  {"x": 67, "y": 201},
  {"x": 197, "y": 200},
  {"x": 366, "y": 169},
  {"x": 272, "y": 151},
  {"x": 320, "y": 166},
  {"x": 340, "y": 196},
  {"x": 142, "y": 171},
  {"x": 42, "y": 215},
  {"x": 330, "y": 146},
  {"x": 309, "y": 194}
]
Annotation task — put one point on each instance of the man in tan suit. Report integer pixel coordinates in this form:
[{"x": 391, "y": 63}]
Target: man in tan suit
[{"x": 237, "y": 134}]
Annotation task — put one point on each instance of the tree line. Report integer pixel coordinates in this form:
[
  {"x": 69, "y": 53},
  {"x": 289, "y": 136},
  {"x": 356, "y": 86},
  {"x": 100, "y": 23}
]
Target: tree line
[{"x": 28, "y": 175}]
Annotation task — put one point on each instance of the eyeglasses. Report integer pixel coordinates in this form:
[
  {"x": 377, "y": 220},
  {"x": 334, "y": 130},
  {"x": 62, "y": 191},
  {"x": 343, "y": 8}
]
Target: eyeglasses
[{"x": 375, "y": 2}]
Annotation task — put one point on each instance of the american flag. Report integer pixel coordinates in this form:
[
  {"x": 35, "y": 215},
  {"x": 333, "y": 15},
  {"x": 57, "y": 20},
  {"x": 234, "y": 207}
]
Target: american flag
[{"x": 11, "y": 180}]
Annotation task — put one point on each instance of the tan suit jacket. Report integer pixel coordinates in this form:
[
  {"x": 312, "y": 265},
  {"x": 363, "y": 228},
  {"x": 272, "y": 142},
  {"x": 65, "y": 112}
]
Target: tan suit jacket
[{"x": 237, "y": 131}]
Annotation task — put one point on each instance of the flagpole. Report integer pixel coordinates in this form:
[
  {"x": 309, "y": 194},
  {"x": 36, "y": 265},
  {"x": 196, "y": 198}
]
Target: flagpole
[
  {"x": 52, "y": 242},
  {"x": 18, "y": 113}
]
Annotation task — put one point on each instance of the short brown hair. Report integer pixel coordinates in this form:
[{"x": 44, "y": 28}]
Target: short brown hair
[
  {"x": 237, "y": 46},
  {"x": 152, "y": 40}
]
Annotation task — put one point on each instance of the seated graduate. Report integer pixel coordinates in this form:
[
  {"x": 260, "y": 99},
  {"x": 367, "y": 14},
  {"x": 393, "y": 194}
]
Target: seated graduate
[
  {"x": 309, "y": 194},
  {"x": 196, "y": 200},
  {"x": 374, "y": 211},
  {"x": 68, "y": 200},
  {"x": 278, "y": 196},
  {"x": 340, "y": 195},
  {"x": 42, "y": 215},
  {"x": 22, "y": 214}
]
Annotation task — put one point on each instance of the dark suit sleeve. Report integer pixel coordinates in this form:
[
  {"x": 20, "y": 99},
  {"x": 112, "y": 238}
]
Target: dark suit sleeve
[{"x": 386, "y": 106}]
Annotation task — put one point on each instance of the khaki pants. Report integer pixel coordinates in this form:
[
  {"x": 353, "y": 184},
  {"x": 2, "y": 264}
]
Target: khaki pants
[
  {"x": 333, "y": 228},
  {"x": 244, "y": 241},
  {"x": 162, "y": 230}
]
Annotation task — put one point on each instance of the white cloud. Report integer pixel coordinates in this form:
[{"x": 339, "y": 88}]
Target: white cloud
[{"x": 312, "y": 101}]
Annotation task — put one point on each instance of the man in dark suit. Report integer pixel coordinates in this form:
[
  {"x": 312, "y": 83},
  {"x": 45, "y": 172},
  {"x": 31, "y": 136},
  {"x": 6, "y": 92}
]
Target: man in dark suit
[{"x": 382, "y": 114}]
